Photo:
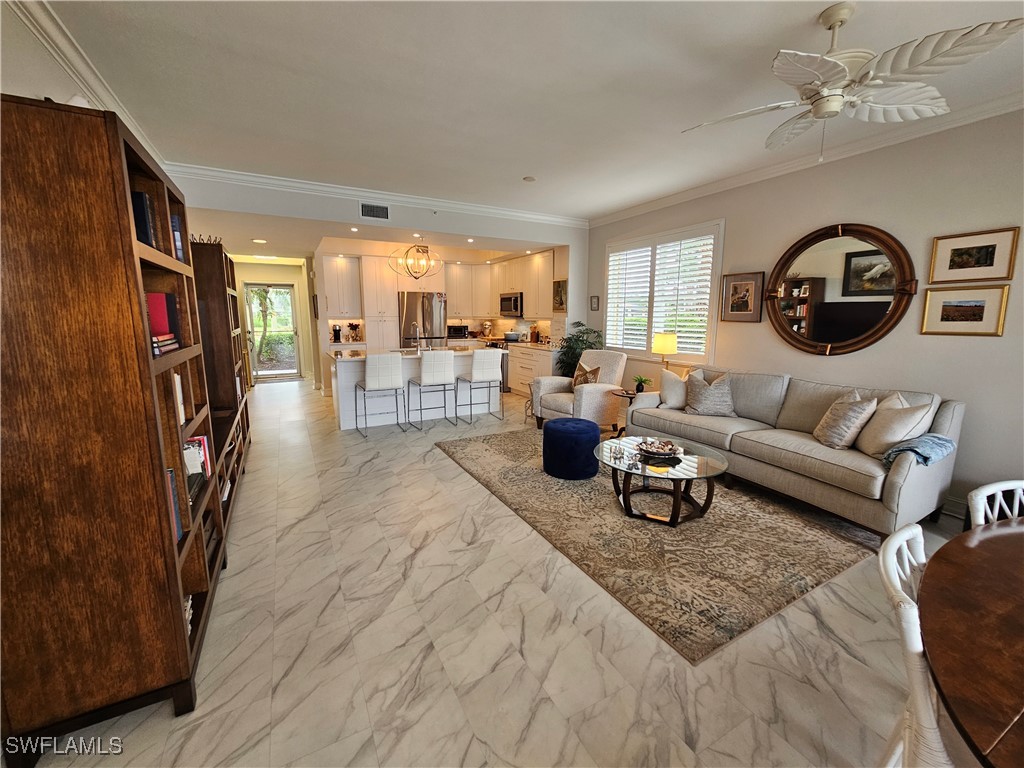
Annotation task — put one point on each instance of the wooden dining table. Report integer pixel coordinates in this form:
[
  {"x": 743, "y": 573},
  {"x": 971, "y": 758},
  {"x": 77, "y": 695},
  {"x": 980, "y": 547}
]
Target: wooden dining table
[{"x": 971, "y": 602}]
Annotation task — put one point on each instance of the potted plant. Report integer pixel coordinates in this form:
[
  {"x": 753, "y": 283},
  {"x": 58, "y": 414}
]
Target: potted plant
[
  {"x": 641, "y": 382},
  {"x": 573, "y": 346}
]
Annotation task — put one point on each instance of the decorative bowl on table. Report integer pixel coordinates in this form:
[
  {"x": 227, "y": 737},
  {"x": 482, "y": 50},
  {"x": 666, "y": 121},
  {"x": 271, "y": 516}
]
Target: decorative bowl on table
[{"x": 657, "y": 448}]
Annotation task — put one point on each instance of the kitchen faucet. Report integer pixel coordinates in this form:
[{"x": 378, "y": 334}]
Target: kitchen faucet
[{"x": 416, "y": 330}]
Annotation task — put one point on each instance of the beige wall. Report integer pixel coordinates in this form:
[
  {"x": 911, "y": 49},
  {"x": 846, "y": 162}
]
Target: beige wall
[
  {"x": 962, "y": 180},
  {"x": 282, "y": 275},
  {"x": 26, "y": 68}
]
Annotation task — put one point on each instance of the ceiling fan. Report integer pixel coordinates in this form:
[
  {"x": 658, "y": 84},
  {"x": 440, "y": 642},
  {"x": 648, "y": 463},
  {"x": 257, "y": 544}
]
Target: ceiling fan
[{"x": 875, "y": 89}]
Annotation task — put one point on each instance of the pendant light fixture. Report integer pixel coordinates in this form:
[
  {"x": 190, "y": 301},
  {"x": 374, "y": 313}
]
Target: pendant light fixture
[{"x": 416, "y": 261}]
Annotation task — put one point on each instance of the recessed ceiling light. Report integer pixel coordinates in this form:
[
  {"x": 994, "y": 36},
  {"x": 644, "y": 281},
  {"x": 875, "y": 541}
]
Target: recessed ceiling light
[
  {"x": 415, "y": 234},
  {"x": 487, "y": 262},
  {"x": 469, "y": 239},
  {"x": 529, "y": 178},
  {"x": 528, "y": 253},
  {"x": 258, "y": 240},
  {"x": 458, "y": 262},
  {"x": 355, "y": 229},
  {"x": 341, "y": 255}
]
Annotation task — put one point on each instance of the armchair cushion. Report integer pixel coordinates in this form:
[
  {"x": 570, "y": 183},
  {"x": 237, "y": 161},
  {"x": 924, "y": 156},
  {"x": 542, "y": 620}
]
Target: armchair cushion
[{"x": 585, "y": 375}]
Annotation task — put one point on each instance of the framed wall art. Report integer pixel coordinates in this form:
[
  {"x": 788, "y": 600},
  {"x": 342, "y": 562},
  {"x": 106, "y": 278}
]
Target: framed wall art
[
  {"x": 974, "y": 256},
  {"x": 559, "y": 292},
  {"x": 595, "y": 303},
  {"x": 965, "y": 310},
  {"x": 742, "y": 295},
  {"x": 868, "y": 273}
]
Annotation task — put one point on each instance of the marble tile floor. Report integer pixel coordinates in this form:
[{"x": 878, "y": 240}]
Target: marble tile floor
[{"x": 381, "y": 608}]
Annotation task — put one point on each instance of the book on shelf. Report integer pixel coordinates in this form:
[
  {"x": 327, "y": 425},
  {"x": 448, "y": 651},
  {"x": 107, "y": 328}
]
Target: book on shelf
[
  {"x": 196, "y": 454},
  {"x": 179, "y": 398},
  {"x": 163, "y": 349},
  {"x": 162, "y": 309},
  {"x": 226, "y": 492},
  {"x": 142, "y": 211},
  {"x": 164, "y": 337},
  {"x": 179, "y": 247},
  {"x": 178, "y": 532},
  {"x": 187, "y": 609}
]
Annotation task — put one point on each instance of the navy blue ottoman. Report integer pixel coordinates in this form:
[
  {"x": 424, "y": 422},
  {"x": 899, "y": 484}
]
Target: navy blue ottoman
[{"x": 569, "y": 448}]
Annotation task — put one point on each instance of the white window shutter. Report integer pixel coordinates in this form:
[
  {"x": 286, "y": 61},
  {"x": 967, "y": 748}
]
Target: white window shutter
[{"x": 628, "y": 310}]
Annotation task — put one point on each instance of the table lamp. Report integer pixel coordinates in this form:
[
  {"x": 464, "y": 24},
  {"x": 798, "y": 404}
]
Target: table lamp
[{"x": 664, "y": 344}]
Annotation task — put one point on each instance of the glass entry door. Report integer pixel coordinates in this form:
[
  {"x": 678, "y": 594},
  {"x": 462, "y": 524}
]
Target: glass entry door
[{"x": 273, "y": 336}]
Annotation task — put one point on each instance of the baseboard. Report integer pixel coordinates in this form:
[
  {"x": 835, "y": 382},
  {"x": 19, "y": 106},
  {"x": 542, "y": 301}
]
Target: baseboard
[{"x": 955, "y": 508}]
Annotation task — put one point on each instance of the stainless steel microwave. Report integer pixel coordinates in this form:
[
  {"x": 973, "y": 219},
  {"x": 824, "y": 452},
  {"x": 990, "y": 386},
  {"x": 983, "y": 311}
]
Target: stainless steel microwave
[{"x": 511, "y": 305}]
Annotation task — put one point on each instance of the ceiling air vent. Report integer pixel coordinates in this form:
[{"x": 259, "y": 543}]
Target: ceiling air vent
[{"x": 373, "y": 211}]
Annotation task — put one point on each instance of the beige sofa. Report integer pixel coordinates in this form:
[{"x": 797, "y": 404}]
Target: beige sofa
[{"x": 769, "y": 442}]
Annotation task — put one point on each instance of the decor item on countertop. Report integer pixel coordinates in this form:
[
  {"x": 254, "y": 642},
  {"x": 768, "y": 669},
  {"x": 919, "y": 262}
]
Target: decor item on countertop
[
  {"x": 664, "y": 343},
  {"x": 641, "y": 382},
  {"x": 679, "y": 586},
  {"x": 965, "y": 310},
  {"x": 416, "y": 261},
  {"x": 868, "y": 273},
  {"x": 742, "y": 295},
  {"x": 974, "y": 256},
  {"x": 573, "y": 345},
  {"x": 354, "y": 331}
]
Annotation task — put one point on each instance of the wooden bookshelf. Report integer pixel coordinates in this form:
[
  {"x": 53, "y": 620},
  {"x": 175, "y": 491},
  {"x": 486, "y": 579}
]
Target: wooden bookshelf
[
  {"x": 797, "y": 302},
  {"x": 94, "y": 576},
  {"x": 227, "y": 382}
]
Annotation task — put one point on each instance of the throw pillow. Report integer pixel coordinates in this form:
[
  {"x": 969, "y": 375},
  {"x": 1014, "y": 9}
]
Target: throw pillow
[
  {"x": 843, "y": 420},
  {"x": 895, "y": 420},
  {"x": 703, "y": 399},
  {"x": 585, "y": 375},
  {"x": 673, "y": 390}
]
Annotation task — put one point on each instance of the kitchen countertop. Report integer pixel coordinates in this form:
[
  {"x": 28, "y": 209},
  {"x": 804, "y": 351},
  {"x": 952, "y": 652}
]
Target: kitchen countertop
[{"x": 362, "y": 359}]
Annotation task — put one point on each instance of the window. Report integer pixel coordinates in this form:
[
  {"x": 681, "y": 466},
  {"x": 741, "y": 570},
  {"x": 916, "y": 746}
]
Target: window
[{"x": 663, "y": 283}]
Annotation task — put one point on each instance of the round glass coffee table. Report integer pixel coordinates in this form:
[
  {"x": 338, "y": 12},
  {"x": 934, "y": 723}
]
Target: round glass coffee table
[{"x": 691, "y": 462}]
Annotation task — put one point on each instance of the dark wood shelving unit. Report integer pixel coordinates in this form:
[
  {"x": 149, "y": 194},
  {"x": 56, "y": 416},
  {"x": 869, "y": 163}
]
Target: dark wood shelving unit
[
  {"x": 798, "y": 309},
  {"x": 228, "y": 384},
  {"x": 94, "y": 576}
]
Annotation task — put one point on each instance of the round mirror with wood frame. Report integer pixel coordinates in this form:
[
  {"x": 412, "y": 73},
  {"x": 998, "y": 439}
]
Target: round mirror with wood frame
[{"x": 853, "y": 284}]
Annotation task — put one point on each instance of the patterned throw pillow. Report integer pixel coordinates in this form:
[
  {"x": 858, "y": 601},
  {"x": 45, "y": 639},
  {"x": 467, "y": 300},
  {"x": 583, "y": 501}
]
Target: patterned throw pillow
[
  {"x": 894, "y": 420},
  {"x": 843, "y": 420},
  {"x": 703, "y": 399},
  {"x": 585, "y": 375}
]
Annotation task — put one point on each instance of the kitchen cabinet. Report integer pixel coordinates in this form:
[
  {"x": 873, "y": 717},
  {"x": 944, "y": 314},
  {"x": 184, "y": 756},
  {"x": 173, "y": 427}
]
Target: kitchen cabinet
[
  {"x": 382, "y": 334},
  {"x": 484, "y": 303},
  {"x": 537, "y": 294},
  {"x": 459, "y": 288},
  {"x": 342, "y": 287},
  {"x": 527, "y": 362},
  {"x": 432, "y": 284},
  {"x": 380, "y": 288}
]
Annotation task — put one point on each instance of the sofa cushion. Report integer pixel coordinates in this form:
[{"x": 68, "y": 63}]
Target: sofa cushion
[
  {"x": 843, "y": 420},
  {"x": 756, "y": 396},
  {"x": 705, "y": 399},
  {"x": 558, "y": 401},
  {"x": 807, "y": 401},
  {"x": 673, "y": 390},
  {"x": 799, "y": 452},
  {"x": 713, "y": 431},
  {"x": 894, "y": 420}
]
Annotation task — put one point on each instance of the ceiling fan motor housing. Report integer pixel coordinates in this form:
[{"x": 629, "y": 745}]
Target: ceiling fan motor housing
[{"x": 829, "y": 104}]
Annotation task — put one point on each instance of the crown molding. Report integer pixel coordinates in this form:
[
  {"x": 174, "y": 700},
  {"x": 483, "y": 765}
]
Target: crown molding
[
  {"x": 915, "y": 130},
  {"x": 50, "y": 31},
  {"x": 280, "y": 184}
]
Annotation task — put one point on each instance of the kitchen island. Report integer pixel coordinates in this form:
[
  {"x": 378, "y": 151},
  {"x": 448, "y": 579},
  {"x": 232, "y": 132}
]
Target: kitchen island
[{"x": 346, "y": 371}]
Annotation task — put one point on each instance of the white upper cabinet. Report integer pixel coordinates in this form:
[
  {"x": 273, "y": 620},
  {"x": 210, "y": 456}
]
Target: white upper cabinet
[
  {"x": 380, "y": 288},
  {"x": 537, "y": 297},
  {"x": 459, "y": 287},
  {"x": 346, "y": 272},
  {"x": 484, "y": 304}
]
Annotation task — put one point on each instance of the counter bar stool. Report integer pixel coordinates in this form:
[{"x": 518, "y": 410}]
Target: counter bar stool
[
  {"x": 437, "y": 373},
  {"x": 485, "y": 374},
  {"x": 383, "y": 376}
]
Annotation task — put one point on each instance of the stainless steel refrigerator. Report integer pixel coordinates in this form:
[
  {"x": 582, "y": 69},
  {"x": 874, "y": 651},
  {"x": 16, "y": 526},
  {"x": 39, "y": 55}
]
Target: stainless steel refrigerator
[{"x": 422, "y": 315}]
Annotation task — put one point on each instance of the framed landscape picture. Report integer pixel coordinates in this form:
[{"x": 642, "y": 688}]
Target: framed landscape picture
[
  {"x": 741, "y": 297},
  {"x": 965, "y": 311},
  {"x": 868, "y": 273},
  {"x": 974, "y": 256}
]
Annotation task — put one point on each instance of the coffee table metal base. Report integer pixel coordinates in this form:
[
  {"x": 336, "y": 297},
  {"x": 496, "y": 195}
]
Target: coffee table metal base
[{"x": 680, "y": 492}]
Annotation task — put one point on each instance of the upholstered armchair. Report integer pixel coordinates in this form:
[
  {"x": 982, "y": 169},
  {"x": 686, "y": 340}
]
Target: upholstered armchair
[{"x": 555, "y": 398}]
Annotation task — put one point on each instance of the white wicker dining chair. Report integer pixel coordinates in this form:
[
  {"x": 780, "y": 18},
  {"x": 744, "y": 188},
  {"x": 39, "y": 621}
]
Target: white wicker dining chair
[
  {"x": 915, "y": 741},
  {"x": 987, "y": 502}
]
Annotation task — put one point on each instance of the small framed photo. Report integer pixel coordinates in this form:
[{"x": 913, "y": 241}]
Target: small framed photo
[
  {"x": 965, "y": 311},
  {"x": 974, "y": 256},
  {"x": 559, "y": 291},
  {"x": 742, "y": 295},
  {"x": 595, "y": 303},
  {"x": 868, "y": 273},
  {"x": 805, "y": 290}
]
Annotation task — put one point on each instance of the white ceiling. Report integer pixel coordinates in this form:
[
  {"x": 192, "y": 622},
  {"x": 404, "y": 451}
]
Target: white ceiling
[{"x": 459, "y": 100}]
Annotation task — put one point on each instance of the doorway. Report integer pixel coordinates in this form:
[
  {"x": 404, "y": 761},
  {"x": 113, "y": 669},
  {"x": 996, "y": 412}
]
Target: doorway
[{"x": 273, "y": 332}]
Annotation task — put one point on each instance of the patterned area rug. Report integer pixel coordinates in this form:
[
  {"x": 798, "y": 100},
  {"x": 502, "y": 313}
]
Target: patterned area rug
[{"x": 698, "y": 585}]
